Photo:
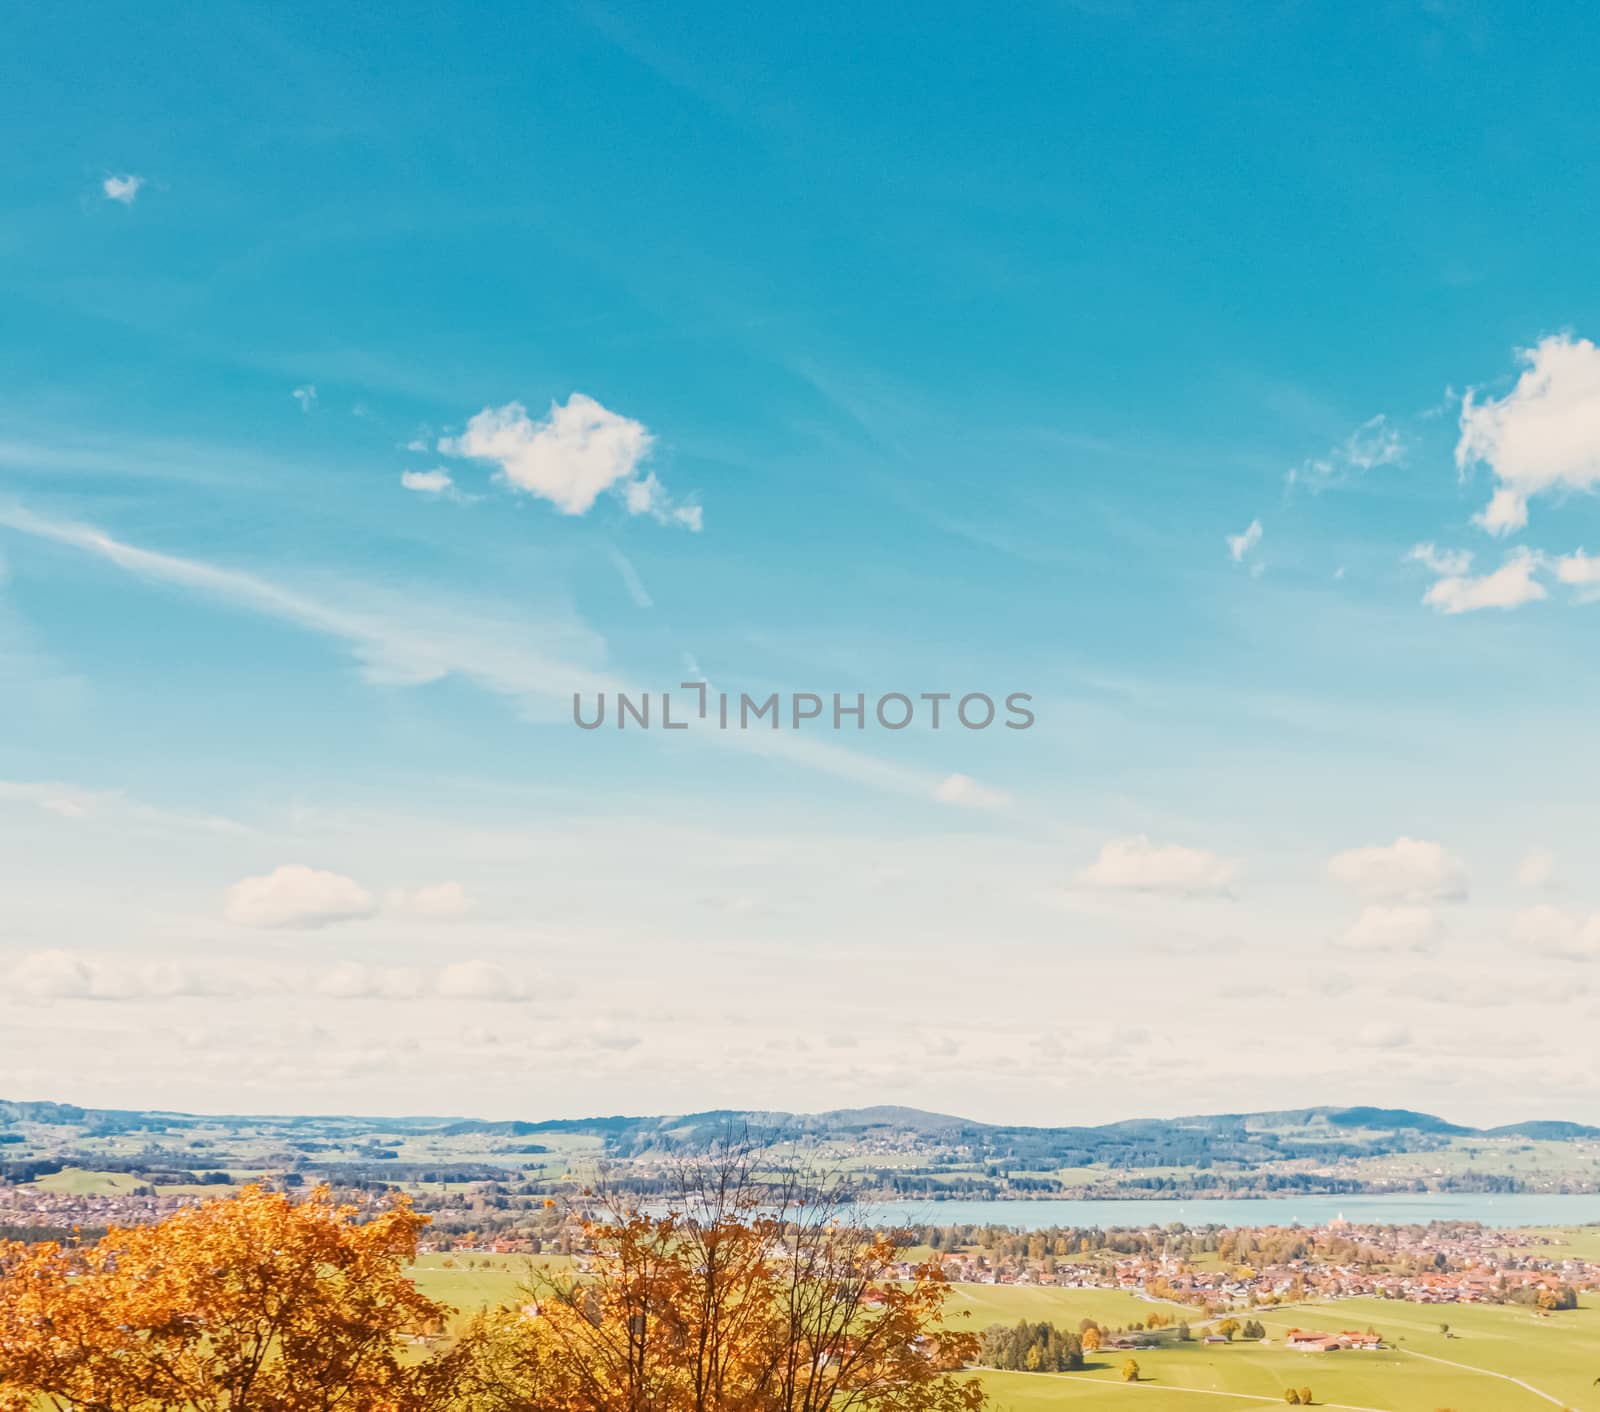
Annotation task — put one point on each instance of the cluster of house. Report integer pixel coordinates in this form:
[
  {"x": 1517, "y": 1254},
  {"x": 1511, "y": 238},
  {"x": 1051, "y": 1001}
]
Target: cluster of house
[
  {"x": 1307, "y": 1341},
  {"x": 31, "y": 1206},
  {"x": 1432, "y": 1265}
]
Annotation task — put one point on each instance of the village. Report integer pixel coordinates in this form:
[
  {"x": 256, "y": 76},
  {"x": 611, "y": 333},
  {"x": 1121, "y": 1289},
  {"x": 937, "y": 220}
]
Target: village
[
  {"x": 1436, "y": 1264},
  {"x": 1212, "y": 1270}
]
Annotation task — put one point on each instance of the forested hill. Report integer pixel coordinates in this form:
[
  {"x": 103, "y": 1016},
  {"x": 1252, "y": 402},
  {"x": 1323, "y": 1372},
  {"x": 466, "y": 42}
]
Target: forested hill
[
  {"x": 1247, "y": 1140},
  {"x": 1235, "y": 1140}
]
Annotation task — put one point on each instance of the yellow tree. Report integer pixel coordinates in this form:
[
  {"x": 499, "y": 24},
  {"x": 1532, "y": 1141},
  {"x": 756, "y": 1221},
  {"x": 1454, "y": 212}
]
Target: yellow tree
[
  {"x": 253, "y": 1302},
  {"x": 742, "y": 1296}
]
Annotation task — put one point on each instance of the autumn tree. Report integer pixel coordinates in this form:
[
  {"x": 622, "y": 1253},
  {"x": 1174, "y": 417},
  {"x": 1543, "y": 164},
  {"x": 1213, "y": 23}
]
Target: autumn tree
[
  {"x": 1130, "y": 1371},
  {"x": 741, "y": 1294},
  {"x": 254, "y": 1302}
]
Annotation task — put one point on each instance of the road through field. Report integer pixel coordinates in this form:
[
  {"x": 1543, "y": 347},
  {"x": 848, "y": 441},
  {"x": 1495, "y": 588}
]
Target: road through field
[
  {"x": 1488, "y": 1373},
  {"x": 1197, "y": 1391}
]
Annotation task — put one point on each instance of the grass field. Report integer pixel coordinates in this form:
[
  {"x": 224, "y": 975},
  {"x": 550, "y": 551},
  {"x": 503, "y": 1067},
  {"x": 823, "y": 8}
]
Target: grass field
[
  {"x": 79, "y": 1181},
  {"x": 75, "y": 1181},
  {"x": 1559, "y": 1356},
  {"x": 1065, "y": 1308},
  {"x": 470, "y": 1288}
]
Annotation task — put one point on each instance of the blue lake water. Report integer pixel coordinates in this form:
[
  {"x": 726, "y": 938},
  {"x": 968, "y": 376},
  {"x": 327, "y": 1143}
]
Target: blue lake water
[{"x": 1399, "y": 1210}]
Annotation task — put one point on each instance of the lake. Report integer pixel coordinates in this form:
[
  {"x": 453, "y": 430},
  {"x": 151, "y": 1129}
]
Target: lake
[{"x": 1399, "y": 1210}]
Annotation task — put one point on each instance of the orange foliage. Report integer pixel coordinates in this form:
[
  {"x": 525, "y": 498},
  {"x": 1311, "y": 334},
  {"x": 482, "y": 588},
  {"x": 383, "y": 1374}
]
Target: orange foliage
[
  {"x": 738, "y": 1301},
  {"x": 742, "y": 1299},
  {"x": 253, "y": 1302}
]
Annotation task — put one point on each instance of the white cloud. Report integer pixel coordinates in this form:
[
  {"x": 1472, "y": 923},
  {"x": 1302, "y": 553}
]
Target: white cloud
[
  {"x": 460, "y": 980},
  {"x": 967, "y": 792},
  {"x": 434, "y": 482},
  {"x": 1137, "y": 865},
  {"x": 1578, "y": 571},
  {"x": 440, "y": 901},
  {"x": 1382, "y": 1036},
  {"x": 1447, "y": 563},
  {"x": 579, "y": 450},
  {"x": 1548, "y": 931},
  {"x": 1510, "y": 586},
  {"x": 478, "y": 980},
  {"x": 46, "y": 975},
  {"x": 1537, "y": 870},
  {"x": 122, "y": 188},
  {"x": 1239, "y": 545},
  {"x": 63, "y": 975},
  {"x": 606, "y": 1034},
  {"x": 1407, "y": 870},
  {"x": 66, "y": 975},
  {"x": 306, "y": 396},
  {"x": 1392, "y": 929},
  {"x": 297, "y": 896},
  {"x": 1541, "y": 437},
  {"x": 350, "y": 980},
  {"x": 1373, "y": 444}
]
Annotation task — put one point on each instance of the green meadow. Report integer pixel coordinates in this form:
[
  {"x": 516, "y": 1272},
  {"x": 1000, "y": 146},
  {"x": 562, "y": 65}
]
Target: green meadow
[
  {"x": 474, "y": 1282},
  {"x": 80, "y": 1181},
  {"x": 1424, "y": 1370},
  {"x": 1065, "y": 1308},
  {"x": 1558, "y": 1355}
]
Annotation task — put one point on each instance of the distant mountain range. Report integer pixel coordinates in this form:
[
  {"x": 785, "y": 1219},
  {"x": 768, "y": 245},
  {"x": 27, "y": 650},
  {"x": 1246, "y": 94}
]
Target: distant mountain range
[
  {"x": 889, "y": 1120},
  {"x": 638, "y": 1133}
]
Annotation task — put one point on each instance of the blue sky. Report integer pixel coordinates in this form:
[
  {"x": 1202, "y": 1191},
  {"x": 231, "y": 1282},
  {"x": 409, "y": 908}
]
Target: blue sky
[{"x": 1223, "y": 379}]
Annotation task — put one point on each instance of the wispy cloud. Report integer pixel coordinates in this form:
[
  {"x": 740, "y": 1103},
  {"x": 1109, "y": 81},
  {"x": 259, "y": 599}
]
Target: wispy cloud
[
  {"x": 393, "y": 650},
  {"x": 630, "y": 579},
  {"x": 74, "y": 802},
  {"x": 1243, "y": 544},
  {"x": 306, "y": 396},
  {"x": 413, "y": 644},
  {"x": 965, "y": 791},
  {"x": 1447, "y": 563},
  {"x": 1537, "y": 870},
  {"x": 1376, "y": 442}
]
